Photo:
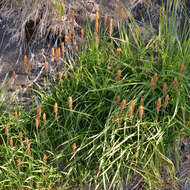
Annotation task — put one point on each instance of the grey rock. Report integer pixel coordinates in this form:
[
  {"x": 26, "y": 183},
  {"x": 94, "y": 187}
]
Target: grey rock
[{"x": 187, "y": 185}]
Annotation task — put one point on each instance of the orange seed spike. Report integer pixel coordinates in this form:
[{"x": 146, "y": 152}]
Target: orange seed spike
[
  {"x": 70, "y": 103},
  {"x": 74, "y": 147},
  {"x": 75, "y": 45},
  {"x": 43, "y": 171},
  {"x": 27, "y": 140},
  {"x": 141, "y": 102},
  {"x": 44, "y": 118},
  {"x": 96, "y": 23},
  {"x": 14, "y": 75},
  {"x": 141, "y": 111},
  {"x": 39, "y": 111},
  {"x": 25, "y": 62},
  {"x": 175, "y": 83},
  {"x": 152, "y": 83},
  {"x": 37, "y": 122},
  {"x": 123, "y": 104},
  {"x": 11, "y": 142},
  {"x": 111, "y": 27},
  {"x": 122, "y": 13},
  {"x": 158, "y": 105},
  {"x": 182, "y": 68},
  {"x": 53, "y": 52},
  {"x": 155, "y": 78},
  {"x": 70, "y": 35},
  {"x": 131, "y": 109},
  {"x": 117, "y": 100},
  {"x": 29, "y": 66},
  {"x": 46, "y": 67},
  {"x": 62, "y": 49},
  {"x": 82, "y": 35},
  {"x": 58, "y": 55},
  {"x": 73, "y": 18},
  {"x": 19, "y": 164},
  {"x": 7, "y": 131},
  {"x": 105, "y": 20},
  {"x": 16, "y": 115},
  {"x": 44, "y": 158},
  {"x": 118, "y": 74},
  {"x": 166, "y": 101},
  {"x": 66, "y": 38},
  {"x": 20, "y": 137},
  {"x": 56, "y": 109}
]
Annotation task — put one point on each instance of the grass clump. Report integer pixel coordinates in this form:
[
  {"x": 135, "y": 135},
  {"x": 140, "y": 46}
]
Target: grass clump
[{"x": 117, "y": 114}]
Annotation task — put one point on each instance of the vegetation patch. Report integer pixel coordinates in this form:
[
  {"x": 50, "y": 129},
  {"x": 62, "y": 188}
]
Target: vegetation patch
[{"x": 115, "y": 116}]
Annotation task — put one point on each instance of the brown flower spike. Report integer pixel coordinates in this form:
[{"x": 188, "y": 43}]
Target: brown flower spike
[
  {"x": 118, "y": 74},
  {"x": 27, "y": 140},
  {"x": 20, "y": 88},
  {"x": 14, "y": 75},
  {"x": 29, "y": 66},
  {"x": 96, "y": 23},
  {"x": 158, "y": 105},
  {"x": 44, "y": 158},
  {"x": 70, "y": 103},
  {"x": 175, "y": 83},
  {"x": 122, "y": 13},
  {"x": 105, "y": 20},
  {"x": 46, "y": 67},
  {"x": 141, "y": 102},
  {"x": 141, "y": 111},
  {"x": 58, "y": 51},
  {"x": 75, "y": 45},
  {"x": 165, "y": 87},
  {"x": 53, "y": 52},
  {"x": 123, "y": 104},
  {"x": 28, "y": 149},
  {"x": 131, "y": 109},
  {"x": 27, "y": 145},
  {"x": 73, "y": 18},
  {"x": 20, "y": 137},
  {"x": 74, "y": 147},
  {"x": 155, "y": 77},
  {"x": 16, "y": 115},
  {"x": 111, "y": 27},
  {"x": 182, "y": 68},
  {"x": 66, "y": 38},
  {"x": 117, "y": 100},
  {"x": 37, "y": 122},
  {"x": 39, "y": 111},
  {"x": 63, "y": 49},
  {"x": 11, "y": 142},
  {"x": 70, "y": 36},
  {"x": 44, "y": 118},
  {"x": 154, "y": 81},
  {"x": 166, "y": 101},
  {"x": 25, "y": 62},
  {"x": 118, "y": 119},
  {"x": 56, "y": 110},
  {"x": 19, "y": 164},
  {"x": 7, "y": 131},
  {"x": 43, "y": 171},
  {"x": 82, "y": 36}
]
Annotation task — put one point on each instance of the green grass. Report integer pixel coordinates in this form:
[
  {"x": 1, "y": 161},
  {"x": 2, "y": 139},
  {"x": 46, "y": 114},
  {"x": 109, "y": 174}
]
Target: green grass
[{"x": 110, "y": 146}]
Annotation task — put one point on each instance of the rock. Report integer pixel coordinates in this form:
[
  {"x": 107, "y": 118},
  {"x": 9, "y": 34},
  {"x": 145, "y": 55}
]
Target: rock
[{"x": 187, "y": 184}]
